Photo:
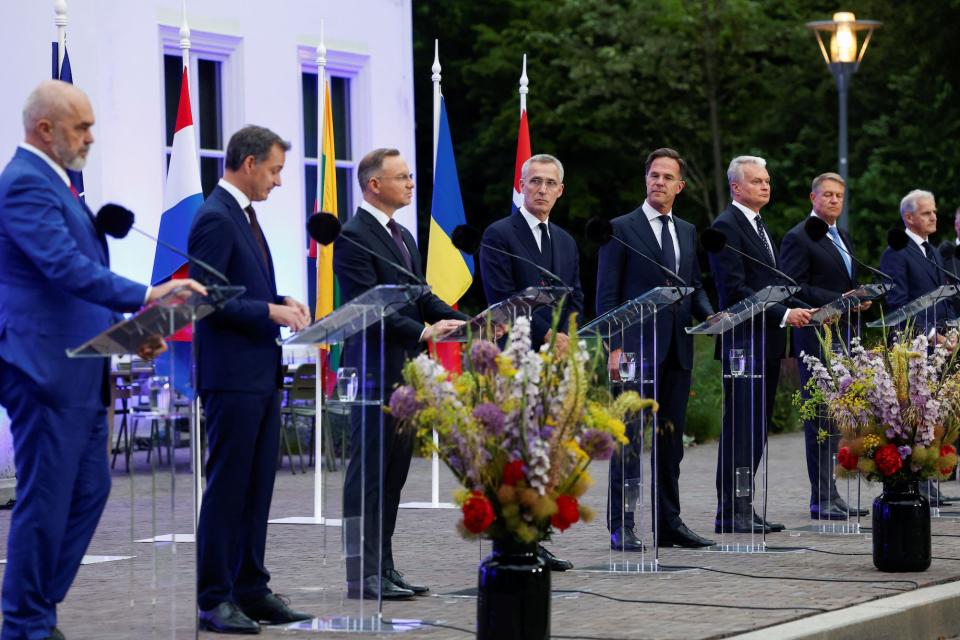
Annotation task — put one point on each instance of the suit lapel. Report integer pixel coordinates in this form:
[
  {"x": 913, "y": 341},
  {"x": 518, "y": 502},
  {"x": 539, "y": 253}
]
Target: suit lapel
[
  {"x": 380, "y": 233},
  {"x": 240, "y": 218},
  {"x": 827, "y": 245},
  {"x": 918, "y": 256},
  {"x": 750, "y": 232},
  {"x": 641, "y": 228},
  {"x": 525, "y": 234}
]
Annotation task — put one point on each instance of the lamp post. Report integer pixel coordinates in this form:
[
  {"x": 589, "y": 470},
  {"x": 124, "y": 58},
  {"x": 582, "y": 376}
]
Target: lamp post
[{"x": 843, "y": 59}]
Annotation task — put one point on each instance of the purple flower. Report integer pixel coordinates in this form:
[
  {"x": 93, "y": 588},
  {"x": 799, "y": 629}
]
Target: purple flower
[
  {"x": 905, "y": 452},
  {"x": 890, "y": 433},
  {"x": 845, "y": 383},
  {"x": 547, "y": 432},
  {"x": 483, "y": 356},
  {"x": 597, "y": 444},
  {"x": 490, "y": 417},
  {"x": 404, "y": 403}
]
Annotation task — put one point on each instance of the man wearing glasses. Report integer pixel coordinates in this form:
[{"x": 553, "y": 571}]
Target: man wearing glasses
[
  {"x": 622, "y": 275},
  {"x": 387, "y": 187},
  {"x": 531, "y": 234}
]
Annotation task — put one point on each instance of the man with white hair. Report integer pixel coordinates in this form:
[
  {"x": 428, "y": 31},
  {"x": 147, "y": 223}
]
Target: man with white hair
[
  {"x": 748, "y": 402},
  {"x": 56, "y": 290}
]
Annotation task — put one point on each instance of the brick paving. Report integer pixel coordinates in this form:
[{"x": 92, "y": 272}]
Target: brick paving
[{"x": 152, "y": 594}]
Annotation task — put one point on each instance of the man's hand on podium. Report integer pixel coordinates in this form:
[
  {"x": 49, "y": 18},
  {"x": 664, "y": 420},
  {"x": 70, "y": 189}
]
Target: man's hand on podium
[
  {"x": 613, "y": 365},
  {"x": 797, "y": 318},
  {"x": 152, "y": 347},
  {"x": 439, "y": 329},
  {"x": 562, "y": 342},
  {"x": 189, "y": 287},
  {"x": 291, "y": 313}
]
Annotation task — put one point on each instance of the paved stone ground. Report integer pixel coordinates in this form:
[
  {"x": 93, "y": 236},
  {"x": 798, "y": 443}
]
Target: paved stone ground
[{"x": 152, "y": 594}]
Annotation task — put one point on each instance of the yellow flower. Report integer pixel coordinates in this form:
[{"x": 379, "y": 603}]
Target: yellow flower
[
  {"x": 871, "y": 442},
  {"x": 505, "y": 366},
  {"x": 574, "y": 448}
]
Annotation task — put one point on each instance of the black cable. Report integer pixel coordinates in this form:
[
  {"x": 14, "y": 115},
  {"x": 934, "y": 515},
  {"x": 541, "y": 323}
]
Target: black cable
[
  {"x": 447, "y": 626},
  {"x": 749, "y": 575},
  {"x": 689, "y": 604}
]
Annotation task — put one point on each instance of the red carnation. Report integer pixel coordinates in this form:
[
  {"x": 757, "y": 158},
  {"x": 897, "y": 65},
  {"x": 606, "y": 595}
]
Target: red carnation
[
  {"x": 888, "y": 459},
  {"x": 513, "y": 472},
  {"x": 477, "y": 513},
  {"x": 567, "y": 513},
  {"x": 846, "y": 459},
  {"x": 945, "y": 468},
  {"x": 947, "y": 449}
]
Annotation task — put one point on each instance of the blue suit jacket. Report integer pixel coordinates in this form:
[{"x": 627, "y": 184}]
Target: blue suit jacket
[
  {"x": 914, "y": 276},
  {"x": 504, "y": 276},
  {"x": 622, "y": 276},
  {"x": 56, "y": 288},
  {"x": 236, "y": 345},
  {"x": 737, "y": 279}
]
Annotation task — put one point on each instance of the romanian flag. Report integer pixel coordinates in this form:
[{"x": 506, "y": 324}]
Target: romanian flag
[
  {"x": 449, "y": 270},
  {"x": 328, "y": 292},
  {"x": 523, "y": 154}
]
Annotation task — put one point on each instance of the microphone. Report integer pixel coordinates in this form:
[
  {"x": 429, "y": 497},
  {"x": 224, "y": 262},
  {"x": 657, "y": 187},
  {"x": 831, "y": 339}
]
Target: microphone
[
  {"x": 325, "y": 227},
  {"x": 715, "y": 241},
  {"x": 600, "y": 231},
  {"x": 897, "y": 239},
  {"x": 468, "y": 239},
  {"x": 817, "y": 229},
  {"x": 116, "y": 222}
]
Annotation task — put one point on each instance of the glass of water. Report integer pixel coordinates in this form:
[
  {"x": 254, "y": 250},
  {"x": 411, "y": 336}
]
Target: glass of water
[
  {"x": 347, "y": 384},
  {"x": 738, "y": 362},
  {"x": 159, "y": 387},
  {"x": 628, "y": 366}
]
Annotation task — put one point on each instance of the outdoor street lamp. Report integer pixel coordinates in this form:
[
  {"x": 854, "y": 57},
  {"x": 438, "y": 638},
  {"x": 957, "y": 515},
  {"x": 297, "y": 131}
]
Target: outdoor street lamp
[{"x": 843, "y": 59}]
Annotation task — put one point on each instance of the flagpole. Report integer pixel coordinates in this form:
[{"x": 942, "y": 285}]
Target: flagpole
[
  {"x": 434, "y": 459},
  {"x": 524, "y": 84},
  {"x": 318, "y": 399},
  {"x": 60, "y": 9}
]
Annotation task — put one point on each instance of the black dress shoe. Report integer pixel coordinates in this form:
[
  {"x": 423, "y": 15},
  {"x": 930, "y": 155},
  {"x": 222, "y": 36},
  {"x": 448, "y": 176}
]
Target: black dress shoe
[
  {"x": 853, "y": 511},
  {"x": 775, "y": 527},
  {"x": 553, "y": 562},
  {"x": 396, "y": 578},
  {"x": 227, "y": 617},
  {"x": 740, "y": 524},
  {"x": 371, "y": 586},
  {"x": 624, "y": 539},
  {"x": 273, "y": 609},
  {"x": 681, "y": 536},
  {"x": 827, "y": 511}
]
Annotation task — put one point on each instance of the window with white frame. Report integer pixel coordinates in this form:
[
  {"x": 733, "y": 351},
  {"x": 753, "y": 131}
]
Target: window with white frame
[{"x": 210, "y": 75}]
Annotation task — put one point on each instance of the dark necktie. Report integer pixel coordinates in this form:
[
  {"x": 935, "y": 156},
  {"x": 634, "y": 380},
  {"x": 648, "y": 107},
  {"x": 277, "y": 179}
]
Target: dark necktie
[
  {"x": 398, "y": 239},
  {"x": 669, "y": 256},
  {"x": 762, "y": 232},
  {"x": 258, "y": 235},
  {"x": 546, "y": 247},
  {"x": 928, "y": 250}
]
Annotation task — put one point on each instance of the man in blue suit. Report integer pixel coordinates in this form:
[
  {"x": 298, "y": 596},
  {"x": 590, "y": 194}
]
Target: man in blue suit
[
  {"x": 825, "y": 270},
  {"x": 622, "y": 275},
  {"x": 56, "y": 291},
  {"x": 530, "y": 233},
  {"x": 748, "y": 401},
  {"x": 239, "y": 377}
]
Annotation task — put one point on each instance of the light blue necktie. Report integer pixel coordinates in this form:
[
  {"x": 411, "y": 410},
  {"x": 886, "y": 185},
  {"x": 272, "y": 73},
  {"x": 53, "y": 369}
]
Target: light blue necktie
[{"x": 835, "y": 236}]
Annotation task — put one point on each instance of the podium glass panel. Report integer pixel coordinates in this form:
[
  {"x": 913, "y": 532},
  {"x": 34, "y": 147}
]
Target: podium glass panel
[
  {"x": 918, "y": 309},
  {"x": 507, "y": 311}
]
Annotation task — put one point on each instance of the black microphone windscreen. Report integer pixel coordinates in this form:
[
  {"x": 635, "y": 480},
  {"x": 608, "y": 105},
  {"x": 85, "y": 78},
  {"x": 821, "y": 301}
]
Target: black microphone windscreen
[
  {"x": 948, "y": 251},
  {"x": 897, "y": 239},
  {"x": 599, "y": 230},
  {"x": 713, "y": 240},
  {"x": 114, "y": 220},
  {"x": 815, "y": 228},
  {"x": 466, "y": 238},
  {"x": 323, "y": 227}
]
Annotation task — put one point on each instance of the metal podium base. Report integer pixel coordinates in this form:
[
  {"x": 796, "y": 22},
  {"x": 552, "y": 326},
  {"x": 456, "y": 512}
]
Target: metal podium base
[
  {"x": 627, "y": 566},
  {"x": 369, "y": 624},
  {"x": 330, "y": 522},
  {"x": 170, "y": 537},
  {"x": 93, "y": 559},
  {"x": 746, "y": 547},
  {"x": 427, "y": 505},
  {"x": 827, "y": 528}
]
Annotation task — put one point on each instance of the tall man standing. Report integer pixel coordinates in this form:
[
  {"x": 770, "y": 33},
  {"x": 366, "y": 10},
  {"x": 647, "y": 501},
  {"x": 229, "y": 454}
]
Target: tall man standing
[
  {"x": 950, "y": 247},
  {"x": 239, "y": 377},
  {"x": 530, "y": 233},
  {"x": 824, "y": 270},
  {"x": 655, "y": 231},
  {"x": 387, "y": 186},
  {"x": 748, "y": 402},
  {"x": 56, "y": 291}
]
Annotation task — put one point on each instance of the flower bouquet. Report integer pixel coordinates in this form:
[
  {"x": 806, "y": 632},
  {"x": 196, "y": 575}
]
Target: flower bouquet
[
  {"x": 897, "y": 408},
  {"x": 518, "y": 428}
]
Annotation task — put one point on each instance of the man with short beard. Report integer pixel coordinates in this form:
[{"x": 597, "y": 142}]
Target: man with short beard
[{"x": 56, "y": 291}]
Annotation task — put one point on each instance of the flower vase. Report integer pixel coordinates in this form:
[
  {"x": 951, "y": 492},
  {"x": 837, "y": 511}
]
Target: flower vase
[
  {"x": 513, "y": 593},
  {"x": 901, "y": 528}
]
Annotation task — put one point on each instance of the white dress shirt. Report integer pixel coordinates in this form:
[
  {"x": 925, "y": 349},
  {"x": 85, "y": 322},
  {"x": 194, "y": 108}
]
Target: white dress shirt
[
  {"x": 380, "y": 216},
  {"x": 238, "y": 195},
  {"x": 656, "y": 225},
  {"x": 917, "y": 239},
  {"x": 534, "y": 223}
]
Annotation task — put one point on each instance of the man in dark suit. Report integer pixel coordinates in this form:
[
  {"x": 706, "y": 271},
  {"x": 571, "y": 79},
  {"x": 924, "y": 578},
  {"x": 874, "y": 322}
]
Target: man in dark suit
[
  {"x": 387, "y": 186},
  {"x": 825, "y": 271},
  {"x": 914, "y": 272},
  {"x": 56, "y": 291},
  {"x": 748, "y": 401},
  {"x": 655, "y": 231},
  {"x": 949, "y": 247},
  {"x": 531, "y": 234},
  {"x": 239, "y": 378}
]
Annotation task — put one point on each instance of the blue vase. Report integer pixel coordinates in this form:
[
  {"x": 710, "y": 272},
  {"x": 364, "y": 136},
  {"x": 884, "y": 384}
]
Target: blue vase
[
  {"x": 513, "y": 594},
  {"x": 901, "y": 529}
]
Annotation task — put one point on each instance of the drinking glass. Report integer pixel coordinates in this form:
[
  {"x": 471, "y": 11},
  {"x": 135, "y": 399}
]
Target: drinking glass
[
  {"x": 347, "y": 384},
  {"x": 628, "y": 366},
  {"x": 738, "y": 362}
]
